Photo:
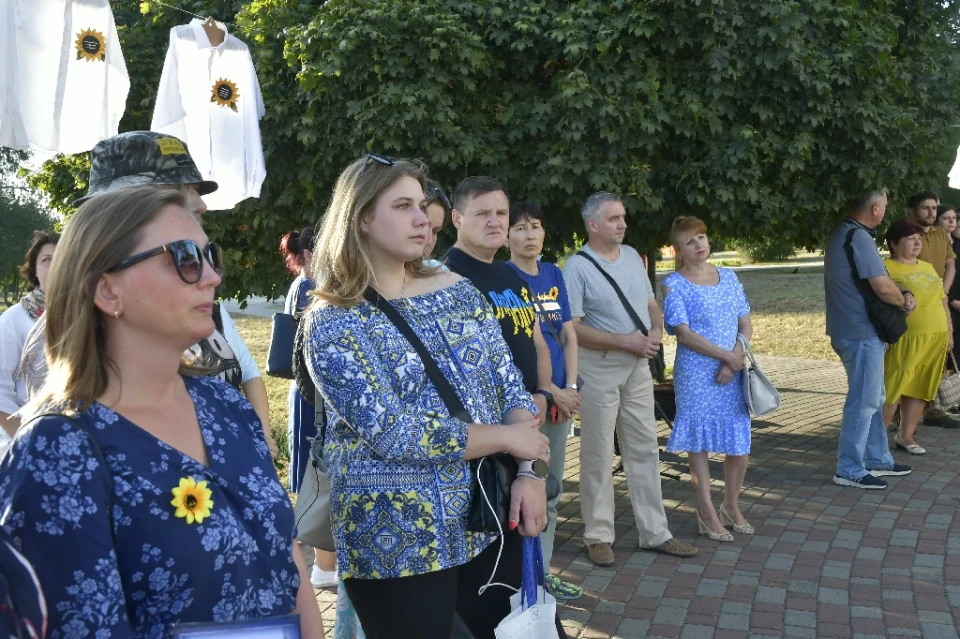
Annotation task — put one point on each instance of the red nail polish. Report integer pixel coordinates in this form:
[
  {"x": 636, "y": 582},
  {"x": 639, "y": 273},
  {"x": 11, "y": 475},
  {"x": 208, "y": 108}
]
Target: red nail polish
[{"x": 513, "y": 525}]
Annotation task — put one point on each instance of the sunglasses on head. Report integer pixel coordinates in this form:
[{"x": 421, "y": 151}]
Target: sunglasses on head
[
  {"x": 380, "y": 159},
  {"x": 187, "y": 256},
  {"x": 434, "y": 191}
]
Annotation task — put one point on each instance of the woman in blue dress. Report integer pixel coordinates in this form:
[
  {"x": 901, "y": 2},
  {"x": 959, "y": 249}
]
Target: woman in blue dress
[
  {"x": 142, "y": 493},
  {"x": 705, "y": 307},
  {"x": 400, "y": 482}
]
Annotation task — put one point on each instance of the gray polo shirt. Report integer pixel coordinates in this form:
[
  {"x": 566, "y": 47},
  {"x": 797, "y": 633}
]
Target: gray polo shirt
[
  {"x": 594, "y": 300},
  {"x": 846, "y": 309}
]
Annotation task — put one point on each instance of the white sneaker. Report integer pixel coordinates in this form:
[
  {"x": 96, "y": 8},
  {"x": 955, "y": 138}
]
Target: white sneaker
[{"x": 323, "y": 578}]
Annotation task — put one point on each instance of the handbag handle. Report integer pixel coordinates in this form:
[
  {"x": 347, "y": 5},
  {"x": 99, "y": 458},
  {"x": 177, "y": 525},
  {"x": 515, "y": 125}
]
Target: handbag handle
[
  {"x": 747, "y": 350},
  {"x": 445, "y": 389},
  {"x": 954, "y": 360}
]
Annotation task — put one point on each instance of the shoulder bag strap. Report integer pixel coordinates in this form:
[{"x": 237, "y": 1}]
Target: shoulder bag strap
[
  {"x": 440, "y": 382},
  {"x": 864, "y": 287},
  {"x": 550, "y": 327},
  {"x": 747, "y": 350},
  {"x": 616, "y": 287},
  {"x": 96, "y": 451}
]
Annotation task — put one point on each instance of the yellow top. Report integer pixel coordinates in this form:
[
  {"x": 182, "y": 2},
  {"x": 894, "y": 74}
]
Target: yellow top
[{"x": 921, "y": 280}]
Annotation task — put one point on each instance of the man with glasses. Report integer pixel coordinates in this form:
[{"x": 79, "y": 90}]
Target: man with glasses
[{"x": 140, "y": 158}]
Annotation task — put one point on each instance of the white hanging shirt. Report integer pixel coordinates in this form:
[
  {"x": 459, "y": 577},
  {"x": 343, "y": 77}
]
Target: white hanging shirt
[
  {"x": 210, "y": 98},
  {"x": 953, "y": 178},
  {"x": 63, "y": 81}
]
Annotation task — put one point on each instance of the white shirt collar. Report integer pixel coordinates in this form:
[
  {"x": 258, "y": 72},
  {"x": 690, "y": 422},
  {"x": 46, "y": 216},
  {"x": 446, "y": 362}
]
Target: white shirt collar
[{"x": 203, "y": 42}]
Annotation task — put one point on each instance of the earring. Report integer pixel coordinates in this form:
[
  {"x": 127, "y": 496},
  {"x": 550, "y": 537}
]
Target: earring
[{"x": 116, "y": 315}]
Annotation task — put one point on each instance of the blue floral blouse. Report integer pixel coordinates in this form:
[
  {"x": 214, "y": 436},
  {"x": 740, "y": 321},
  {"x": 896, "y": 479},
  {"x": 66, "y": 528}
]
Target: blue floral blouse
[
  {"x": 400, "y": 489},
  {"x": 187, "y": 544}
]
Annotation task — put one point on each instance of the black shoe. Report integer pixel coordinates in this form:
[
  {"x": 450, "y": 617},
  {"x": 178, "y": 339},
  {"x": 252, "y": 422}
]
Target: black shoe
[
  {"x": 894, "y": 471},
  {"x": 867, "y": 482}
]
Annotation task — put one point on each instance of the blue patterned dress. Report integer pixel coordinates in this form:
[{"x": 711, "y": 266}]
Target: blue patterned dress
[
  {"x": 399, "y": 486},
  {"x": 153, "y": 569},
  {"x": 711, "y": 417}
]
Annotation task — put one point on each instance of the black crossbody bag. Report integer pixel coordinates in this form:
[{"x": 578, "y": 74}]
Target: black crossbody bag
[
  {"x": 658, "y": 365},
  {"x": 888, "y": 320},
  {"x": 494, "y": 472}
]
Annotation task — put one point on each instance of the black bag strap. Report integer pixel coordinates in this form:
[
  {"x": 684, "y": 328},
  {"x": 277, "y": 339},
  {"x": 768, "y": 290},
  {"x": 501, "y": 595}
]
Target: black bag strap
[
  {"x": 546, "y": 320},
  {"x": 449, "y": 396},
  {"x": 864, "y": 287},
  {"x": 616, "y": 287}
]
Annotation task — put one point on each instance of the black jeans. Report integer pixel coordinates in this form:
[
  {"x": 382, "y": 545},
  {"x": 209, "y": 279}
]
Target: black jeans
[{"x": 423, "y": 606}]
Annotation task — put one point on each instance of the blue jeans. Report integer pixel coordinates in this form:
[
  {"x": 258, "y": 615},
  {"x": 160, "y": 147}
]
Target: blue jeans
[{"x": 863, "y": 437}]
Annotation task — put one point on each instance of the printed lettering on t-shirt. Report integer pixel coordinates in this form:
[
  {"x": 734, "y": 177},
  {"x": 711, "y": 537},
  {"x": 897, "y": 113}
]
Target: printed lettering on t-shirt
[
  {"x": 549, "y": 306},
  {"x": 507, "y": 304}
]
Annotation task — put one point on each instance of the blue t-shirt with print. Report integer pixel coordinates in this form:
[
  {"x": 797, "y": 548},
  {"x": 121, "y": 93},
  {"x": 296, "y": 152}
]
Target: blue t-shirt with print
[{"x": 553, "y": 308}]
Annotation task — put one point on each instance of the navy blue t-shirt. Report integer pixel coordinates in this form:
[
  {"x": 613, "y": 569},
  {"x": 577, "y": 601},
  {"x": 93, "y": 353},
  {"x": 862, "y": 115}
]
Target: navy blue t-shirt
[{"x": 553, "y": 309}]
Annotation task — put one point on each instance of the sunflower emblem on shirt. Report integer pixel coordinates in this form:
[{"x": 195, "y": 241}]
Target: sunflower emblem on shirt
[
  {"x": 91, "y": 45},
  {"x": 192, "y": 500},
  {"x": 225, "y": 94}
]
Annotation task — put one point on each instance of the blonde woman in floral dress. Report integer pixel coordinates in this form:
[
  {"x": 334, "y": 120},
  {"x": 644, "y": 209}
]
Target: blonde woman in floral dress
[{"x": 913, "y": 367}]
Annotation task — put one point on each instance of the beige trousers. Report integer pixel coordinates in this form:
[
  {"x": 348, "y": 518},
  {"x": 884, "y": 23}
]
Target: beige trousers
[{"x": 618, "y": 394}]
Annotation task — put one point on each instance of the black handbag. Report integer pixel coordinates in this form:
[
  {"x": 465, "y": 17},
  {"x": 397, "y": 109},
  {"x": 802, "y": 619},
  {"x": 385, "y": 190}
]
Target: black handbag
[
  {"x": 658, "y": 365},
  {"x": 490, "y": 496},
  {"x": 889, "y": 320},
  {"x": 280, "y": 355}
]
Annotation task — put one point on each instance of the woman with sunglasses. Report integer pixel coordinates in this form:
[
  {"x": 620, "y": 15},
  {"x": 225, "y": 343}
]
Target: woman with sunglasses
[
  {"x": 400, "y": 481},
  {"x": 142, "y": 492}
]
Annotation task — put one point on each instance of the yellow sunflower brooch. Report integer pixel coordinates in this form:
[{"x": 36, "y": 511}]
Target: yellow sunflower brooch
[
  {"x": 192, "y": 499},
  {"x": 91, "y": 45},
  {"x": 224, "y": 93}
]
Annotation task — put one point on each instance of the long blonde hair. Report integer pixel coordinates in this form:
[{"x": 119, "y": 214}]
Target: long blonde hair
[
  {"x": 341, "y": 254},
  {"x": 104, "y": 231}
]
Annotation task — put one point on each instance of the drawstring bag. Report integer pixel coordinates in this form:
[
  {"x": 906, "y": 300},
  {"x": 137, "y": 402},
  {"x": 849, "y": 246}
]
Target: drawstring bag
[{"x": 533, "y": 610}]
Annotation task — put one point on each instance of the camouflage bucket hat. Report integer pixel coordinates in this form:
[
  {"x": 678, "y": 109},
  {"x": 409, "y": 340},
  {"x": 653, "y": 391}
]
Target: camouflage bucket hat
[{"x": 137, "y": 158}]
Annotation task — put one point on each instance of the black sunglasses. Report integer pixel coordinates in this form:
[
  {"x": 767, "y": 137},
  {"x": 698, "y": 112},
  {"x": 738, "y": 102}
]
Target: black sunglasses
[
  {"x": 187, "y": 256},
  {"x": 435, "y": 191},
  {"x": 381, "y": 159}
]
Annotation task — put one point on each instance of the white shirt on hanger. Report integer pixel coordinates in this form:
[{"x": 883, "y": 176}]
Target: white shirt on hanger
[
  {"x": 210, "y": 98},
  {"x": 63, "y": 80}
]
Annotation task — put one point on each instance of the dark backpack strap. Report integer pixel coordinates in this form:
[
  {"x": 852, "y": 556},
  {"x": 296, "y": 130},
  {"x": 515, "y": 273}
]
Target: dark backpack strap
[
  {"x": 864, "y": 287},
  {"x": 449, "y": 396},
  {"x": 616, "y": 287}
]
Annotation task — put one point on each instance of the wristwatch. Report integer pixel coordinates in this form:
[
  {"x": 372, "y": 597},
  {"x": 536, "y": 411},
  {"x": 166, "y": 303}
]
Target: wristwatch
[
  {"x": 548, "y": 395},
  {"x": 572, "y": 387},
  {"x": 535, "y": 467}
]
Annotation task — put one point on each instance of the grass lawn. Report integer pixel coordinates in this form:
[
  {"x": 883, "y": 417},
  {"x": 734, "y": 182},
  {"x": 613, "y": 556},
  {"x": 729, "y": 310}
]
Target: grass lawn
[
  {"x": 787, "y": 310},
  {"x": 788, "y": 320}
]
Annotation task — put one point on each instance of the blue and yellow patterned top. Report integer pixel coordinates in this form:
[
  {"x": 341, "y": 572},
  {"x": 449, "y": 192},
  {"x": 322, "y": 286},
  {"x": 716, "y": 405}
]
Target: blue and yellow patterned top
[{"x": 399, "y": 486}]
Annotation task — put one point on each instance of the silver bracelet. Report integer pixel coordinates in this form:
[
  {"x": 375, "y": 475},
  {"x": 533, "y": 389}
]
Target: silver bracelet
[{"x": 530, "y": 476}]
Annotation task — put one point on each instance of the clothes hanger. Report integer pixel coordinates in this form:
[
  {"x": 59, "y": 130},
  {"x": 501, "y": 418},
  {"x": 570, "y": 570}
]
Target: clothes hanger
[{"x": 215, "y": 34}]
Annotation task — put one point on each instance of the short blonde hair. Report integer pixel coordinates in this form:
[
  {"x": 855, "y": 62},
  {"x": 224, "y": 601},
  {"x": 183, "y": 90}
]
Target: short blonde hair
[
  {"x": 681, "y": 226},
  {"x": 341, "y": 254},
  {"x": 103, "y": 232}
]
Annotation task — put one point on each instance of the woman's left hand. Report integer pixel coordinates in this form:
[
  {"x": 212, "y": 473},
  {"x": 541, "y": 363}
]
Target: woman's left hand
[
  {"x": 724, "y": 374},
  {"x": 528, "y": 506}
]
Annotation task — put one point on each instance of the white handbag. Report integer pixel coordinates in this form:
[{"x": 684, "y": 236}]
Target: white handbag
[{"x": 759, "y": 392}]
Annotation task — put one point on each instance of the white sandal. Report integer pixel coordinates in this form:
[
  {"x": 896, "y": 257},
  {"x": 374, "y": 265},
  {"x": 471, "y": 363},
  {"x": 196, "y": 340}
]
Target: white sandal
[{"x": 913, "y": 449}]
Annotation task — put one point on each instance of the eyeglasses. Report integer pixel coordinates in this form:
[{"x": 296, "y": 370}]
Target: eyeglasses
[
  {"x": 435, "y": 191},
  {"x": 188, "y": 258},
  {"x": 381, "y": 159}
]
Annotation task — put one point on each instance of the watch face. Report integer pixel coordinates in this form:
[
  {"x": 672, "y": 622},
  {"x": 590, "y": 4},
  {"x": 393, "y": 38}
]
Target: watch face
[{"x": 540, "y": 468}]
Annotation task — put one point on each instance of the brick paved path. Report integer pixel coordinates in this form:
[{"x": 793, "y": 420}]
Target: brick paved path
[{"x": 825, "y": 562}]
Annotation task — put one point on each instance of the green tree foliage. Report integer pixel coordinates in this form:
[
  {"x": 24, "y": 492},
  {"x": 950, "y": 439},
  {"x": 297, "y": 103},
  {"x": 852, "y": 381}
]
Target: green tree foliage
[
  {"x": 21, "y": 217},
  {"x": 762, "y": 117}
]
